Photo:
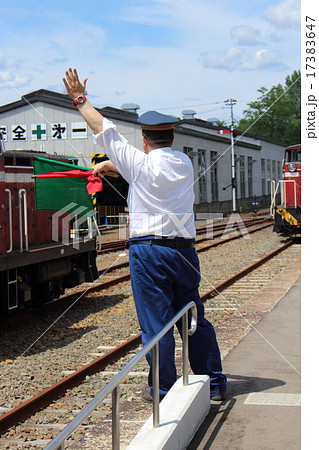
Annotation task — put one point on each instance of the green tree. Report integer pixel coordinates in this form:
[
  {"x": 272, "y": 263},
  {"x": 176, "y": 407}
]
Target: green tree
[{"x": 277, "y": 112}]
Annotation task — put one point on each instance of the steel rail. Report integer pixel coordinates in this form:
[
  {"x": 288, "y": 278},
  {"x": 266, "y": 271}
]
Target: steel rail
[
  {"x": 106, "y": 284},
  {"x": 120, "y": 245},
  {"x": 95, "y": 288},
  {"x": 67, "y": 299},
  {"x": 45, "y": 397},
  {"x": 225, "y": 284},
  {"x": 199, "y": 241},
  {"x": 224, "y": 230},
  {"x": 232, "y": 238}
]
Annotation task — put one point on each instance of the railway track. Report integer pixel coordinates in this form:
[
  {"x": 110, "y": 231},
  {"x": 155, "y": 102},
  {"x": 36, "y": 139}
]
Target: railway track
[
  {"x": 102, "y": 284},
  {"x": 108, "y": 277},
  {"x": 221, "y": 229},
  {"x": 55, "y": 414}
]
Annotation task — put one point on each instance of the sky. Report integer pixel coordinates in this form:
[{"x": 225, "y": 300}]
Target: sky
[{"x": 164, "y": 55}]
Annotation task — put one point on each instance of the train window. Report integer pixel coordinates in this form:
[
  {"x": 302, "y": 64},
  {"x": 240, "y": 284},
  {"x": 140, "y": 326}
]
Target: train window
[
  {"x": 8, "y": 160},
  {"x": 293, "y": 155},
  {"x": 23, "y": 161},
  {"x": 72, "y": 161}
]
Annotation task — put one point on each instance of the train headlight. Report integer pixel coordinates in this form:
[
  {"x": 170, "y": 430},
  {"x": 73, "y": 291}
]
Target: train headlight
[{"x": 292, "y": 167}]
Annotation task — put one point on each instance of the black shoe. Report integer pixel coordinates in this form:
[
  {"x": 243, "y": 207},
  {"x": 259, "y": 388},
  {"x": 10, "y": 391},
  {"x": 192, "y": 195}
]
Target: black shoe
[{"x": 219, "y": 396}]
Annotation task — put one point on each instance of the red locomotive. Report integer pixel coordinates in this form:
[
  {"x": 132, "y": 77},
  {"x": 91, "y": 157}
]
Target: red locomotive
[
  {"x": 34, "y": 267},
  {"x": 287, "y": 214}
]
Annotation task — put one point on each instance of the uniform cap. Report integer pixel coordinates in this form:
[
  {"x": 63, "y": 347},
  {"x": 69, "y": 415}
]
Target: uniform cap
[{"x": 153, "y": 120}]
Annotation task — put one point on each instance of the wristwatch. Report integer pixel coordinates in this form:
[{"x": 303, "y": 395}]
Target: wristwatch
[{"x": 79, "y": 100}]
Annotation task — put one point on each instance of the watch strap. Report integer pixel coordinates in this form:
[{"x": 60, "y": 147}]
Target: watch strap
[{"x": 79, "y": 99}]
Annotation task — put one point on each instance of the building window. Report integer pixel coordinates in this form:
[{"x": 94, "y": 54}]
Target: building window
[
  {"x": 202, "y": 175},
  {"x": 187, "y": 150},
  {"x": 213, "y": 176},
  {"x": 268, "y": 175},
  {"x": 279, "y": 170},
  {"x": 250, "y": 176},
  {"x": 263, "y": 177},
  {"x": 274, "y": 171},
  {"x": 242, "y": 177}
]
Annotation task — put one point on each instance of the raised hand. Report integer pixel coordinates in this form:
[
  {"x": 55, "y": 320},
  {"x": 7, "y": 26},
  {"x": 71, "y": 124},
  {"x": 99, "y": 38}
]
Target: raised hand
[
  {"x": 76, "y": 89},
  {"x": 72, "y": 83}
]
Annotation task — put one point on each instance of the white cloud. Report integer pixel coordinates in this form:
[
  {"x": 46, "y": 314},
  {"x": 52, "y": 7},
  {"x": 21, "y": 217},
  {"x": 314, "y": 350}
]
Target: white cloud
[
  {"x": 229, "y": 60},
  {"x": 264, "y": 59},
  {"x": 245, "y": 35},
  {"x": 8, "y": 79},
  {"x": 284, "y": 14},
  {"x": 9, "y": 73},
  {"x": 236, "y": 59}
]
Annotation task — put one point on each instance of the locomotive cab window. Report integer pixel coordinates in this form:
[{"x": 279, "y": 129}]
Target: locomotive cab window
[
  {"x": 293, "y": 155},
  {"x": 73, "y": 161},
  {"x": 20, "y": 161},
  {"x": 25, "y": 162},
  {"x": 8, "y": 160}
]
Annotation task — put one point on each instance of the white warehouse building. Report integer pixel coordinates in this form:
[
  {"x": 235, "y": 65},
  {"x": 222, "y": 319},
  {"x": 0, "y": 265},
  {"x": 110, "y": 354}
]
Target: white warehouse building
[{"x": 47, "y": 121}]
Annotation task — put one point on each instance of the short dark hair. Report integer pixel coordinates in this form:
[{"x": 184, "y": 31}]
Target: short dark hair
[{"x": 159, "y": 138}]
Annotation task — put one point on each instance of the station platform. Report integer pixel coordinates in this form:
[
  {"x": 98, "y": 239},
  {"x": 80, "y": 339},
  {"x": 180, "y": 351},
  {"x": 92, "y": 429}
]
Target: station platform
[
  {"x": 261, "y": 353},
  {"x": 262, "y": 409}
]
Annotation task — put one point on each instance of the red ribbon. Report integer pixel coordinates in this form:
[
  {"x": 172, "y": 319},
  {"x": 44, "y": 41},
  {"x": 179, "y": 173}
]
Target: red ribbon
[{"x": 94, "y": 182}]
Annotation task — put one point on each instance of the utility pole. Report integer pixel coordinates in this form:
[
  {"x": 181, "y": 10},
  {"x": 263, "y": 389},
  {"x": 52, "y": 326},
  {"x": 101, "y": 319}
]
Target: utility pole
[{"x": 231, "y": 102}]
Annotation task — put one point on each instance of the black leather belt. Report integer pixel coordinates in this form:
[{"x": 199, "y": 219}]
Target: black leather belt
[{"x": 164, "y": 243}]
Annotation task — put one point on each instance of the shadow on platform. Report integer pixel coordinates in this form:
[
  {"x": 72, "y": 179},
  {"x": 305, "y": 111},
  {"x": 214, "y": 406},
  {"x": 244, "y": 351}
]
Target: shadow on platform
[{"x": 237, "y": 385}]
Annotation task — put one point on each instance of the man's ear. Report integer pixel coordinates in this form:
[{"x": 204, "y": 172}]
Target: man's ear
[{"x": 145, "y": 144}]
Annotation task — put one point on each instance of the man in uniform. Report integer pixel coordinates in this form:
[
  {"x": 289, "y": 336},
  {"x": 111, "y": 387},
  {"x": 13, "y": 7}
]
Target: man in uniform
[{"x": 164, "y": 266}]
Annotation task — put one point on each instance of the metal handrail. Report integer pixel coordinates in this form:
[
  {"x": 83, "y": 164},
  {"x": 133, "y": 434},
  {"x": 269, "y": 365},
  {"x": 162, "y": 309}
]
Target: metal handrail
[
  {"x": 295, "y": 191},
  {"x": 273, "y": 195},
  {"x": 274, "y": 192},
  {"x": 23, "y": 196},
  {"x": 10, "y": 220},
  {"x": 282, "y": 184},
  {"x": 113, "y": 386},
  {"x": 99, "y": 242}
]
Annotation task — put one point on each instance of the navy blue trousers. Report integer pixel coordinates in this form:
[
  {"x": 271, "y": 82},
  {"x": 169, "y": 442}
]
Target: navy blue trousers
[{"x": 163, "y": 281}]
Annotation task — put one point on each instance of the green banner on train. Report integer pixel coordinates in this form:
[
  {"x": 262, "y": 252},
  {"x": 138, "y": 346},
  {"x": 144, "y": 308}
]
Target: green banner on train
[{"x": 61, "y": 191}]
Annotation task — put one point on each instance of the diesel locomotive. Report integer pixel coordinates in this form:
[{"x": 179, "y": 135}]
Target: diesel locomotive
[
  {"x": 37, "y": 264},
  {"x": 287, "y": 210}
]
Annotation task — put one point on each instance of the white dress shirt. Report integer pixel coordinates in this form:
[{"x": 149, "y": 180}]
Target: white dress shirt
[{"x": 161, "y": 194}]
